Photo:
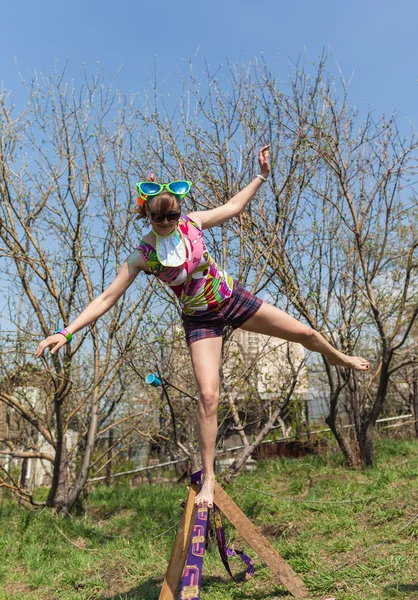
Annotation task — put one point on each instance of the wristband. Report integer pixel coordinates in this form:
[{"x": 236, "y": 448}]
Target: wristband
[
  {"x": 263, "y": 179},
  {"x": 65, "y": 333}
]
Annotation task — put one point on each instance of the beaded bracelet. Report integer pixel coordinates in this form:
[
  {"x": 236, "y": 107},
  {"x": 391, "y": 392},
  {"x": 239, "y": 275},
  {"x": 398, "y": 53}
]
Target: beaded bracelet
[
  {"x": 65, "y": 333},
  {"x": 263, "y": 179}
]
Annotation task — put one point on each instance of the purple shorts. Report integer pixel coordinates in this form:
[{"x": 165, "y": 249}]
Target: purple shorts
[{"x": 240, "y": 307}]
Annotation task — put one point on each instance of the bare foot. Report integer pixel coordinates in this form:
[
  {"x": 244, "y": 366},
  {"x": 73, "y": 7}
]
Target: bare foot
[
  {"x": 207, "y": 492},
  {"x": 351, "y": 362}
]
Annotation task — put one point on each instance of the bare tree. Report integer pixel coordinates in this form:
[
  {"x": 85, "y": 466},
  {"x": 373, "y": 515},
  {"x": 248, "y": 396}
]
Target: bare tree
[{"x": 65, "y": 228}]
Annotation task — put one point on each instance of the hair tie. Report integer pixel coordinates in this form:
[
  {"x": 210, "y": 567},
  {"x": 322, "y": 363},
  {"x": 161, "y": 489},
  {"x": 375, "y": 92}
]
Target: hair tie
[{"x": 141, "y": 201}]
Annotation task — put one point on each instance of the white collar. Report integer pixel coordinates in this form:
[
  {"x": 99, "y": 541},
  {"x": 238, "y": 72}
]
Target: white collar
[{"x": 171, "y": 251}]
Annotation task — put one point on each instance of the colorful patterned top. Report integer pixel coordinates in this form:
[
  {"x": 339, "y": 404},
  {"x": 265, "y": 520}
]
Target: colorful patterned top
[{"x": 200, "y": 284}]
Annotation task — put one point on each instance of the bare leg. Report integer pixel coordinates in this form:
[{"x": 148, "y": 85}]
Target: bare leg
[
  {"x": 206, "y": 358},
  {"x": 274, "y": 322}
]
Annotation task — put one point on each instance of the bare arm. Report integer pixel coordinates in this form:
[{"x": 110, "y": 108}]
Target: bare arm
[
  {"x": 100, "y": 305},
  {"x": 210, "y": 218}
]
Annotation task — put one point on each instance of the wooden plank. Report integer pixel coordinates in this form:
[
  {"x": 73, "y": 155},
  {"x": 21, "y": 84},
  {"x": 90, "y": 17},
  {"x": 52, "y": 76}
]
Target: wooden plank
[
  {"x": 259, "y": 543},
  {"x": 181, "y": 545}
]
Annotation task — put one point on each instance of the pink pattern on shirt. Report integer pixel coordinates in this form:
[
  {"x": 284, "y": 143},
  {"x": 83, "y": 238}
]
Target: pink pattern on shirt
[{"x": 199, "y": 284}]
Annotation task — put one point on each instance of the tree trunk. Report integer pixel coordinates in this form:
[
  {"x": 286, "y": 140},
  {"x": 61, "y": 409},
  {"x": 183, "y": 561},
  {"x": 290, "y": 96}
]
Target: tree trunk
[
  {"x": 83, "y": 472},
  {"x": 58, "y": 458},
  {"x": 367, "y": 445},
  {"x": 368, "y": 425},
  {"x": 23, "y": 473},
  {"x": 237, "y": 421},
  {"x": 348, "y": 444},
  {"x": 109, "y": 458},
  {"x": 307, "y": 419},
  {"x": 414, "y": 397}
]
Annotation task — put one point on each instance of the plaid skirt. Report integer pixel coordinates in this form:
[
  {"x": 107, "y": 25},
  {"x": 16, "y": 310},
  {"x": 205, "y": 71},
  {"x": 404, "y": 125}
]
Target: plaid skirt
[{"x": 237, "y": 309}]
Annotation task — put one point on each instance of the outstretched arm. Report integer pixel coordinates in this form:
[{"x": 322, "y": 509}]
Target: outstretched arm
[
  {"x": 210, "y": 218},
  {"x": 100, "y": 305}
]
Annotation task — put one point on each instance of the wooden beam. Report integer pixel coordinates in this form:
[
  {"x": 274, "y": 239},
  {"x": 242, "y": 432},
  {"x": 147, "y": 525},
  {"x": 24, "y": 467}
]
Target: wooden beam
[
  {"x": 259, "y": 543},
  {"x": 180, "y": 548}
]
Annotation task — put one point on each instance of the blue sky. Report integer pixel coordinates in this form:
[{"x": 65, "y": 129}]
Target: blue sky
[
  {"x": 374, "y": 39},
  {"x": 373, "y": 42}
]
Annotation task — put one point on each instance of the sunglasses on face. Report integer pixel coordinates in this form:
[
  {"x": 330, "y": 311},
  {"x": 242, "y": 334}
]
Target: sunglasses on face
[
  {"x": 172, "y": 217},
  {"x": 151, "y": 188}
]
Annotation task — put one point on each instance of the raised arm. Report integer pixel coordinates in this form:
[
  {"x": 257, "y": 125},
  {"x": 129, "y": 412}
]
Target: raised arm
[
  {"x": 210, "y": 218},
  {"x": 100, "y": 305}
]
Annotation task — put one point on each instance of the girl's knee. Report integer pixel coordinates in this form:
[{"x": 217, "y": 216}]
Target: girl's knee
[
  {"x": 208, "y": 401},
  {"x": 305, "y": 334}
]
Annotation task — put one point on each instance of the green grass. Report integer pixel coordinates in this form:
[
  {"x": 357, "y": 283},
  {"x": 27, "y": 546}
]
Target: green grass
[{"x": 347, "y": 550}]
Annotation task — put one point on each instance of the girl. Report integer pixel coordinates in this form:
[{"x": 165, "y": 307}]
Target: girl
[{"x": 174, "y": 250}]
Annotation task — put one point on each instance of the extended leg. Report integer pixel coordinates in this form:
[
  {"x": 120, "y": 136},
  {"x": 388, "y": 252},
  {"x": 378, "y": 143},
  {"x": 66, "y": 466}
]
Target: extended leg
[
  {"x": 274, "y": 322},
  {"x": 206, "y": 358}
]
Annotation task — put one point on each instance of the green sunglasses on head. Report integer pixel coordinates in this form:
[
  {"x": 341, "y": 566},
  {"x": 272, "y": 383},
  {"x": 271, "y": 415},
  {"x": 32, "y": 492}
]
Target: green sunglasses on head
[{"x": 151, "y": 188}]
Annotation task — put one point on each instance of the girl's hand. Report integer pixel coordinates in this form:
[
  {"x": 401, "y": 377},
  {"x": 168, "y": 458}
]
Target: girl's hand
[
  {"x": 263, "y": 161},
  {"x": 57, "y": 341}
]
